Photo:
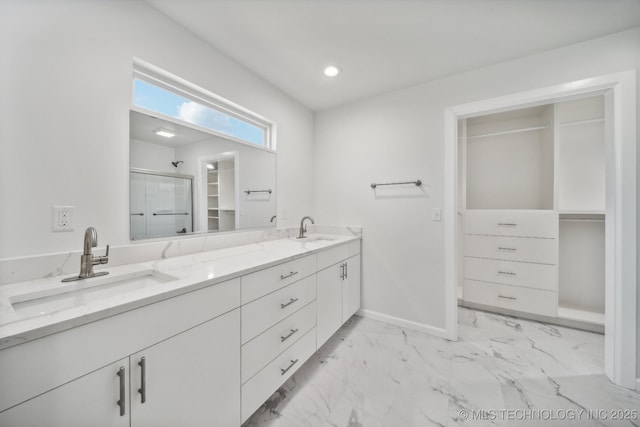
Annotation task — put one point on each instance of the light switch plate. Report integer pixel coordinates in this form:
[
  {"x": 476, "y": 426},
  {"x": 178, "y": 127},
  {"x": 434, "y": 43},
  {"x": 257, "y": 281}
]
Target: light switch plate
[
  {"x": 63, "y": 218},
  {"x": 436, "y": 214}
]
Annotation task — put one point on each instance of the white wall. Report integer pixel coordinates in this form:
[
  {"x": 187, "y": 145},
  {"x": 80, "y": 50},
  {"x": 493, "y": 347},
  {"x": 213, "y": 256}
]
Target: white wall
[
  {"x": 65, "y": 80},
  {"x": 399, "y": 136}
]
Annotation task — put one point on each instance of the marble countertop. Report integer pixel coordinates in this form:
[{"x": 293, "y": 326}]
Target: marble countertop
[{"x": 187, "y": 273}]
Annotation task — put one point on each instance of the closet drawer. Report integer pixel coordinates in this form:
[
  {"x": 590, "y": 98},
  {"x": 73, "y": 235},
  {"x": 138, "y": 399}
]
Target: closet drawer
[
  {"x": 527, "y": 249},
  {"x": 266, "y": 346},
  {"x": 511, "y": 297},
  {"x": 265, "y": 312},
  {"x": 512, "y": 223},
  {"x": 264, "y": 383},
  {"x": 270, "y": 279},
  {"x": 538, "y": 276}
]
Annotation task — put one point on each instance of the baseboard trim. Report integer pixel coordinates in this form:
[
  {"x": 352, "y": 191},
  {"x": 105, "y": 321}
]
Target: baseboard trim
[{"x": 403, "y": 323}]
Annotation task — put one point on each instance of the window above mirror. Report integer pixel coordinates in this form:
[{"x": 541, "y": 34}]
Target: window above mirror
[{"x": 184, "y": 102}]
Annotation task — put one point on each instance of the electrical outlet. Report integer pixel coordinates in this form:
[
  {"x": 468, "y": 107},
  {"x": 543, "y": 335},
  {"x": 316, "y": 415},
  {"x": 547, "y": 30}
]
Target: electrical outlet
[
  {"x": 63, "y": 218},
  {"x": 436, "y": 214}
]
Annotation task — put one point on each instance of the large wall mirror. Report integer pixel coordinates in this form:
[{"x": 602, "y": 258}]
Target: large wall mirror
[{"x": 184, "y": 180}]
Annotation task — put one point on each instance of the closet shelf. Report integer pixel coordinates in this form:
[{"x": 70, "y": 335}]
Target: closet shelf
[{"x": 508, "y": 132}]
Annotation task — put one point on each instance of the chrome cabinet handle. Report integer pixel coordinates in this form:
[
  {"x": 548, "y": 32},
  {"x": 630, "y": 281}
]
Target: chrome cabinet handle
[
  {"x": 507, "y": 224},
  {"x": 286, "y": 337},
  {"x": 508, "y": 273},
  {"x": 506, "y": 249},
  {"x": 137, "y": 214},
  {"x": 121, "y": 402},
  {"x": 284, "y": 371},
  {"x": 143, "y": 379},
  {"x": 343, "y": 275},
  {"x": 346, "y": 270},
  {"x": 293, "y": 273},
  {"x": 506, "y": 297},
  {"x": 291, "y": 301}
]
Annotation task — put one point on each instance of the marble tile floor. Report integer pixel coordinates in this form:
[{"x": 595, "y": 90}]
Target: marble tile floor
[{"x": 502, "y": 371}]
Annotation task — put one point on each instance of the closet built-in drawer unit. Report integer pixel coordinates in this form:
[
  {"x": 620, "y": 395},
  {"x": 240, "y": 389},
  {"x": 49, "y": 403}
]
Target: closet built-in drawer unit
[
  {"x": 510, "y": 260},
  {"x": 529, "y": 249},
  {"x": 535, "y": 301},
  {"x": 539, "y": 224},
  {"x": 525, "y": 274}
]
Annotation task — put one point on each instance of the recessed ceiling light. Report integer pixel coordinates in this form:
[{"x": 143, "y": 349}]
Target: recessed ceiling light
[
  {"x": 165, "y": 133},
  {"x": 211, "y": 166},
  {"x": 332, "y": 71}
]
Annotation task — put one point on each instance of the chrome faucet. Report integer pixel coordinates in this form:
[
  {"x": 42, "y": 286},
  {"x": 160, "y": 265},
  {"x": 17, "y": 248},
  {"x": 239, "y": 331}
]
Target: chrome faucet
[
  {"x": 87, "y": 260},
  {"x": 303, "y": 228}
]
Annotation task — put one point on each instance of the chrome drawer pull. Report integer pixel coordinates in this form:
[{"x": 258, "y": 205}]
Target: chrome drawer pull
[
  {"x": 293, "y": 273},
  {"x": 506, "y": 297},
  {"x": 286, "y": 337},
  {"x": 506, "y": 249},
  {"x": 284, "y": 371},
  {"x": 143, "y": 380},
  {"x": 291, "y": 301},
  {"x": 507, "y": 224},
  {"x": 508, "y": 273},
  {"x": 121, "y": 402}
]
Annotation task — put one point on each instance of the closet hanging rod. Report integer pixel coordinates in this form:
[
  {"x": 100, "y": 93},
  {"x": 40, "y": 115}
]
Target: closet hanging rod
[
  {"x": 258, "y": 191},
  {"x": 170, "y": 213},
  {"x": 507, "y": 132},
  {"x": 582, "y": 122},
  {"x": 417, "y": 183}
]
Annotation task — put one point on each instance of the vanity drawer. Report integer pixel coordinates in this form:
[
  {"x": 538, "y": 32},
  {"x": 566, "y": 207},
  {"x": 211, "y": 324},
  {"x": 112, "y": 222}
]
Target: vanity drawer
[
  {"x": 265, "y": 312},
  {"x": 270, "y": 279},
  {"x": 527, "y": 249},
  {"x": 264, "y": 383},
  {"x": 512, "y": 223},
  {"x": 334, "y": 255},
  {"x": 266, "y": 346},
  {"x": 533, "y": 301},
  {"x": 539, "y": 276}
]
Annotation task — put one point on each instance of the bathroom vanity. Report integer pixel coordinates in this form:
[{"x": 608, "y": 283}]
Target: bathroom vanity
[{"x": 199, "y": 339}]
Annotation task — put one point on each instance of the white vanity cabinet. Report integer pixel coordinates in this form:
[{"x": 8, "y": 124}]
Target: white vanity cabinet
[
  {"x": 87, "y": 401},
  {"x": 338, "y": 286},
  {"x": 190, "y": 344}
]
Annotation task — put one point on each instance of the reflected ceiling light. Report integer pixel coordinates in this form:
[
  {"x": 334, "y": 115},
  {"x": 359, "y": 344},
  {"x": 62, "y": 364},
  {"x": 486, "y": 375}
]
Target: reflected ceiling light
[
  {"x": 211, "y": 166},
  {"x": 332, "y": 71},
  {"x": 165, "y": 133}
]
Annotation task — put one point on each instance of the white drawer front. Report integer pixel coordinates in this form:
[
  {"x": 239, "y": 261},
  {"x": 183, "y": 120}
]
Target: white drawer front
[
  {"x": 511, "y": 297},
  {"x": 539, "y": 276},
  {"x": 267, "y": 381},
  {"x": 512, "y": 223},
  {"x": 265, "y": 312},
  {"x": 339, "y": 253},
  {"x": 527, "y": 249},
  {"x": 270, "y": 279},
  {"x": 266, "y": 346}
]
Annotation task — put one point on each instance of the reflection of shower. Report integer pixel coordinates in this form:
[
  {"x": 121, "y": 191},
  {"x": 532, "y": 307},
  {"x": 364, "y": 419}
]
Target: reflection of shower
[{"x": 176, "y": 163}]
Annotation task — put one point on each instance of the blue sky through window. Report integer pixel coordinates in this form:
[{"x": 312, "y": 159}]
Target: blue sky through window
[{"x": 162, "y": 101}]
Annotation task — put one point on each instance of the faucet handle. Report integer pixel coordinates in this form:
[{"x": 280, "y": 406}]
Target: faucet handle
[{"x": 104, "y": 259}]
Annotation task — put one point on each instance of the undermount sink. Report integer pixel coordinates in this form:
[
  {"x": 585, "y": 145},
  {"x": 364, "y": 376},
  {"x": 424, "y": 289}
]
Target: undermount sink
[
  {"x": 314, "y": 238},
  {"x": 83, "y": 292}
]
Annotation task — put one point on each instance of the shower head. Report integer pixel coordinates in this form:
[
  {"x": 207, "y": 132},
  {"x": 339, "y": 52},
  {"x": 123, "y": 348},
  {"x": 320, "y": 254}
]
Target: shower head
[{"x": 176, "y": 163}]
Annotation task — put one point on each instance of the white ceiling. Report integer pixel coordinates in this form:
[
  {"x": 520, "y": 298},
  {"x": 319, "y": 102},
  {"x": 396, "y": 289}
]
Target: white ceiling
[{"x": 382, "y": 45}]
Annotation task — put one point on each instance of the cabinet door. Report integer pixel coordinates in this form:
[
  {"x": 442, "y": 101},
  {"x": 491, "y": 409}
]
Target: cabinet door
[
  {"x": 329, "y": 301},
  {"x": 191, "y": 379},
  {"x": 351, "y": 288},
  {"x": 91, "y": 400}
]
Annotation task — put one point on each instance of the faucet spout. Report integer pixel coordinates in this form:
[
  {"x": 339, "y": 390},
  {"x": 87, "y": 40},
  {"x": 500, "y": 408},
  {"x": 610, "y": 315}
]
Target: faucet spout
[
  {"x": 303, "y": 228},
  {"x": 88, "y": 260}
]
